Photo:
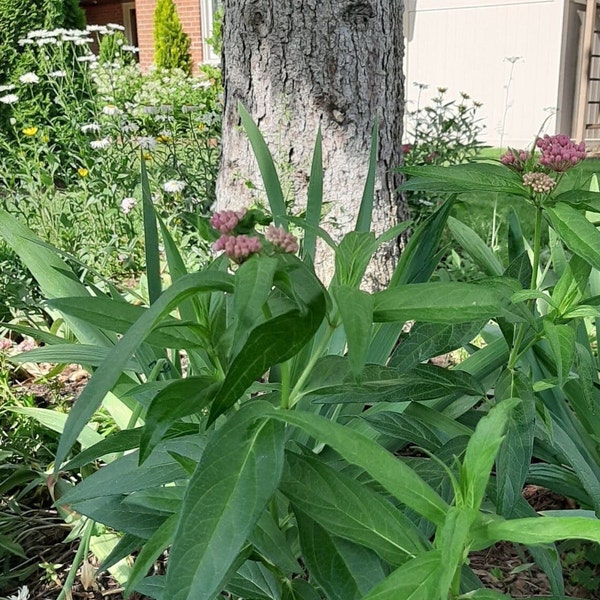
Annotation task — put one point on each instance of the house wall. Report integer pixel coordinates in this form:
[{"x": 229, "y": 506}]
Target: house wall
[
  {"x": 189, "y": 15},
  {"x": 102, "y": 14},
  {"x": 465, "y": 45}
]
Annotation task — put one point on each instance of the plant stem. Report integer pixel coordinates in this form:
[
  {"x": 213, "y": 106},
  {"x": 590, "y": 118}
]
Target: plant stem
[
  {"x": 516, "y": 352},
  {"x": 82, "y": 551},
  {"x": 285, "y": 385},
  {"x": 296, "y": 392}
]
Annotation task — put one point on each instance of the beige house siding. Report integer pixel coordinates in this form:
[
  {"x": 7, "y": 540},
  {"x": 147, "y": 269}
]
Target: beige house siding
[{"x": 465, "y": 45}]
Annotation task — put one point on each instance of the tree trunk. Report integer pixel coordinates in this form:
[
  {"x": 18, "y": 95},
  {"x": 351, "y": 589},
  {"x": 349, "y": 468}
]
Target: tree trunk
[{"x": 298, "y": 64}]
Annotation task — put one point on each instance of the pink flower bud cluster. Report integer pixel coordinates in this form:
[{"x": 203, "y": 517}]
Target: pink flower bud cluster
[
  {"x": 515, "y": 159},
  {"x": 279, "y": 237},
  {"x": 559, "y": 153},
  {"x": 539, "y": 182},
  {"x": 227, "y": 220},
  {"x": 238, "y": 247}
]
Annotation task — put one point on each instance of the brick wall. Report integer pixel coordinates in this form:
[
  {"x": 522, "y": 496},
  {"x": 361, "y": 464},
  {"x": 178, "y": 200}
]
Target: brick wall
[
  {"x": 189, "y": 15},
  {"x": 102, "y": 14}
]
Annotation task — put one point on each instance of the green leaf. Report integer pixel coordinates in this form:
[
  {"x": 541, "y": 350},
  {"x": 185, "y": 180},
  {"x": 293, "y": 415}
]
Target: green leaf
[
  {"x": 55, "y": 278},
  {"x": 66, "y": 354},
  {"x": 119, "y": 441},
  {"x": 397, "y": 478},
  {"x": 352, "y": 257},
  {"x": 571, "y": 286},
  {"x": 253, "y": 284},
  {"x": 271, "y": 542},
  {"x": 474, "y": 177},
  {"x": 150, "y": 551},
  {"x": 579, "y": 235},
  {"x": 150, "y": 235},
  {"x": 580, "y": 199},
  {"x": 124, "y": 476},
  {"x": 418, "y": 261},
  {"x": 112, "y": 512},
  {"x": 475, "y": 247},
  {"x": 266, "y": 167},
  {"x": 486, "y": 595},
  {"x": 363, "y": 221},
  {"x": 417, "y": 579},
  {"x": 404, "y": 428},
  {"x": 254, "y": 580},
  {"x": 179, "y": 399},
  {"x": 314, "y": 202},
  {"x": 438, "y": 303},
  {"x": 118, "y": 316},
  {"x": 427, "y": 340},
  {"x": 538, "y": 530},
  {"x": 277, "y": 339},
  {"x": 347, "y": 509},
  {"x": 562, "y": 342},
  {"x": 514, "y": 455},
  {"x": 452, "y": 540},
  {"x": 384, "y": 384},
  {"x": 239, "y": 472},
  {"x": 356, "y": 311},
  {"x": 109, "y": 371},
  {"x": 481, "y": 453},
  {"x": 57, "y": 422},
  {"x": 516, "y": 241},
  {"x": 344, "y": 570}
]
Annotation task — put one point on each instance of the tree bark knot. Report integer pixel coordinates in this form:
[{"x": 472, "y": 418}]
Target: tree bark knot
[
  {"x": 359, "y": 11},
  {"x": 258, "y": 20}
]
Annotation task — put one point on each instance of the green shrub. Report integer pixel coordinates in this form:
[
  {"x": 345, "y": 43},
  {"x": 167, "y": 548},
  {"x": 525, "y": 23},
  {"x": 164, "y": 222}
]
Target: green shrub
[{"x": 171, "y": 43}]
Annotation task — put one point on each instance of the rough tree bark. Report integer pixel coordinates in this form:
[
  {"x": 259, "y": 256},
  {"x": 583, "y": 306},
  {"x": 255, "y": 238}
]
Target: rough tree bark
[{"x": 298, "y": 64}]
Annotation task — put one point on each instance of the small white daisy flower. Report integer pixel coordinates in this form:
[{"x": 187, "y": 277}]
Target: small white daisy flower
[
  {"x": 57, "y": 74},
  {"x": 115, "y": 27},
  {"x": 90, "y": 127},
  {"x": 101, "y": 144},
  {"x": 29, "y": 78},
  {"x": 9, "y": 99},
  {"x": 111, "y": 110},
  {"x": 174, "y": 186},
  {"x": 127, "y": 204}
]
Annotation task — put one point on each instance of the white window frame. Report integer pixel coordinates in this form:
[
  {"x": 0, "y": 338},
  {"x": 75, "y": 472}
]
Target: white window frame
[
  {"x": 127, "y": 8},
  {"x": 207, "y": 15}
]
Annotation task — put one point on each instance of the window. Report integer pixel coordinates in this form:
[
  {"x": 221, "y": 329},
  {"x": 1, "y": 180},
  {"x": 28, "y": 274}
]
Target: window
[{"x": 209, "y": 10}]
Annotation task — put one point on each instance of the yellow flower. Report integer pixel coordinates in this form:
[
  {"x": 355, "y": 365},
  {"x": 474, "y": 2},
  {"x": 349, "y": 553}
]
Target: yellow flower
[
  {"x": 30, "y": 131},
  {"x": 163, "y": 139},
  {"x": 45, "y": 139},
  {"x": 201, "y": 126},
  {"x": 147, "y": 156},
  {"x": 82, "y": 172}
]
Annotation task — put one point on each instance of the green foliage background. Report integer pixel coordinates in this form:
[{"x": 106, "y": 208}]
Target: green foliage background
[{"x": 171, "y": 43}]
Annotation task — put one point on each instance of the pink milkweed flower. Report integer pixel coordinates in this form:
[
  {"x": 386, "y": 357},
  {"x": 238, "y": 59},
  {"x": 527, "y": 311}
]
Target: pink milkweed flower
[
  {"x": 238, "y": 247},
  {"x": 227, "y": 220},
  {"x": 559, "y": 153},
  {"x": 515, "y": 159},
  {"x": 279, "y": 237}
]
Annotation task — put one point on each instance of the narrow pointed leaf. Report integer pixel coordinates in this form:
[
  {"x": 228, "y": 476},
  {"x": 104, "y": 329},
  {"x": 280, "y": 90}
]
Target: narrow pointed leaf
[
  {"x": 344, "y": 570},
  {"x": 417, "y": 579},
  {"x": 314, "y": 202},
  {"x": 475, "y": 247},
  {"x": 109, "y": 371},
  {"x": 356, "y": 311},
  {"x": 579, "y": 235},
  {"x": 438, "y": 303},
  {"x": 363, "y": 221},
  {"x": 239, "y": 472},
  {"x": 397, "y": 478},
  {"x": 347, "y": 509},
  {"x": 266, "y": 166}
]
